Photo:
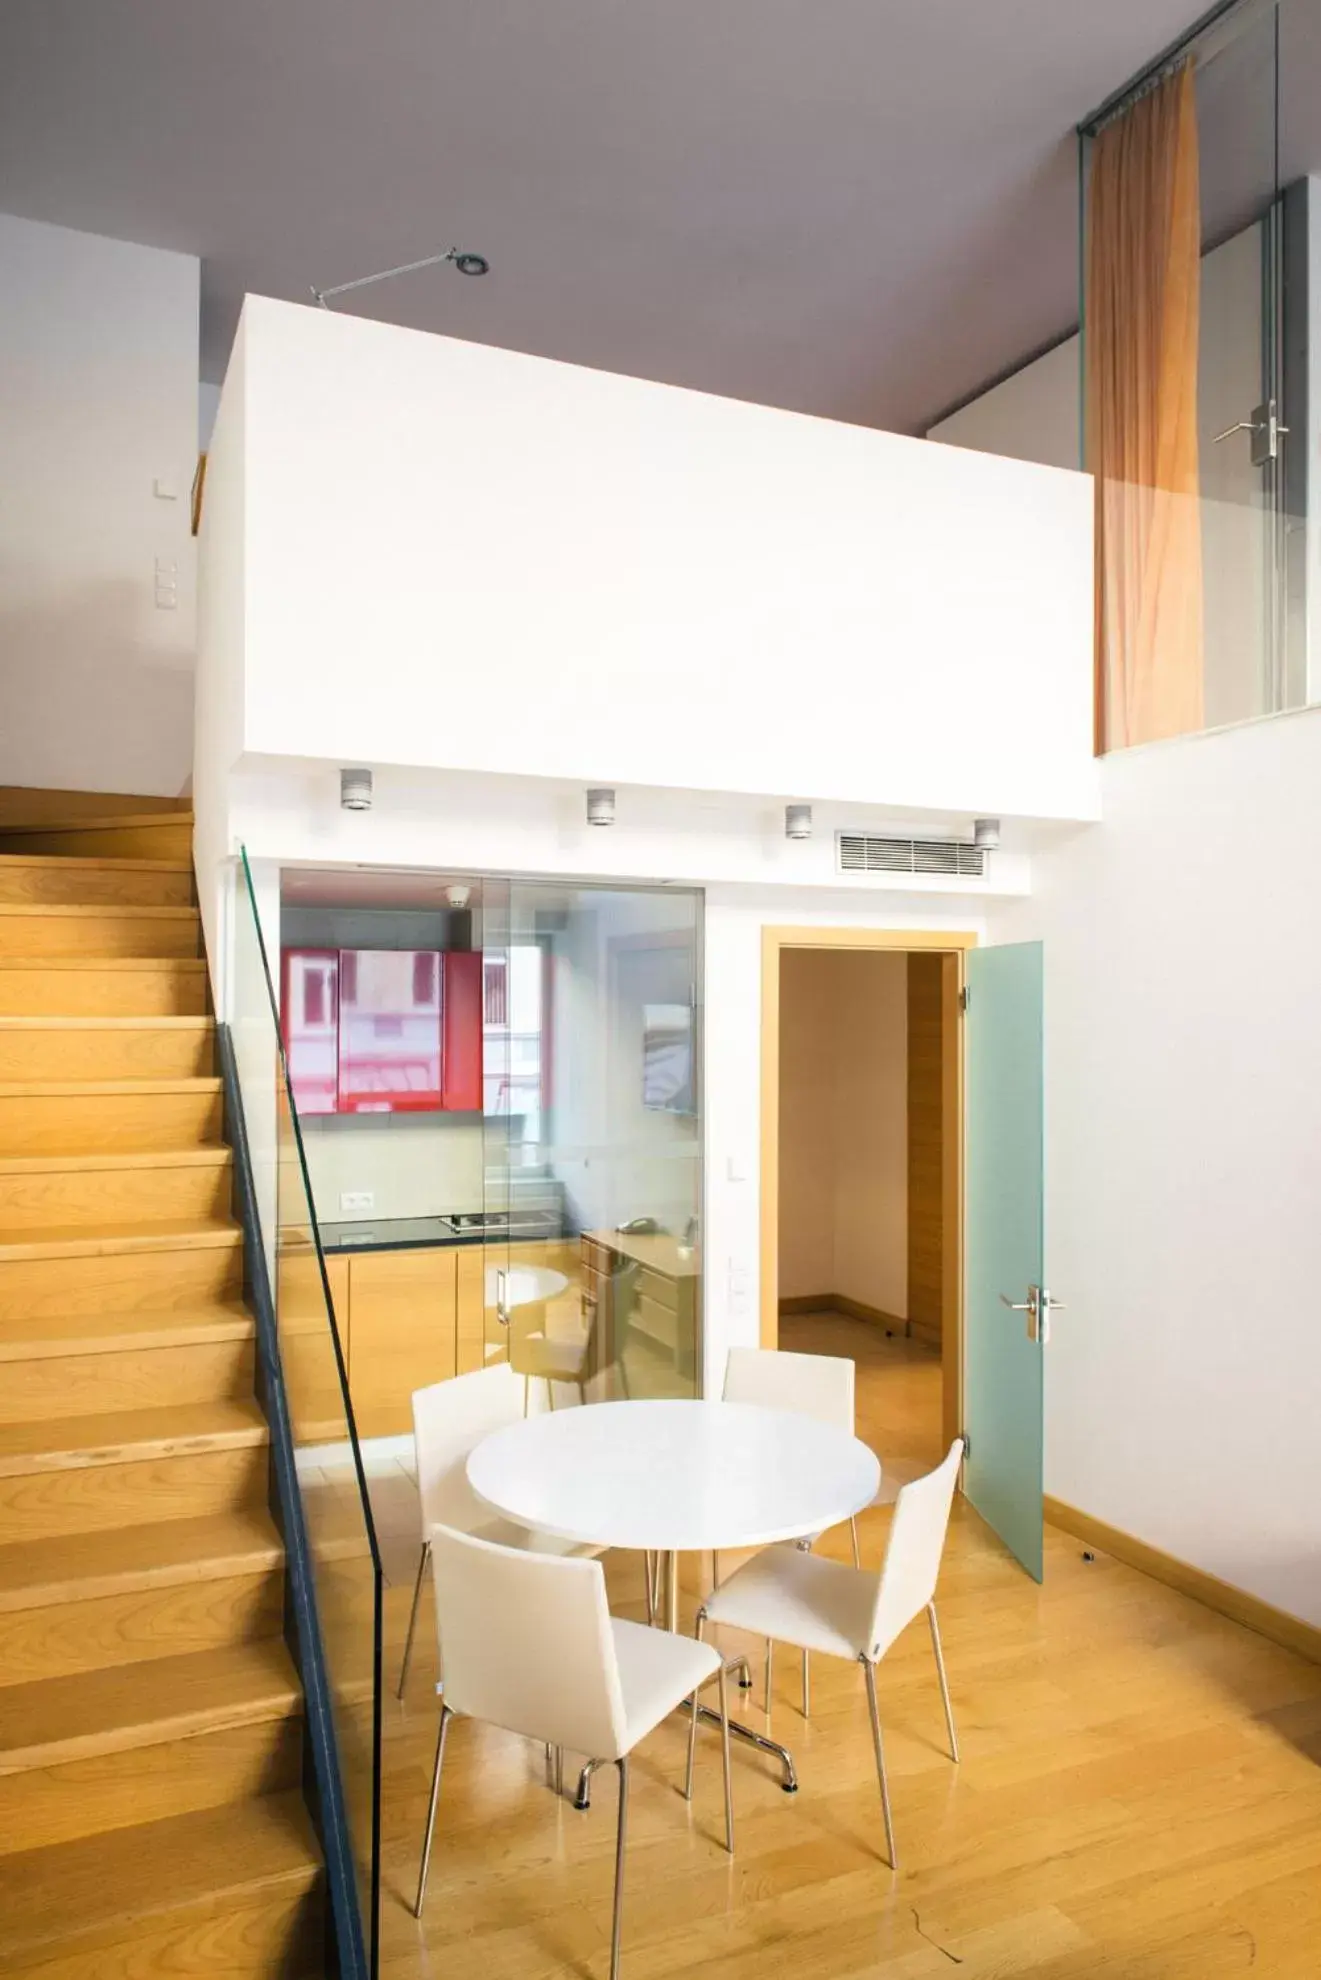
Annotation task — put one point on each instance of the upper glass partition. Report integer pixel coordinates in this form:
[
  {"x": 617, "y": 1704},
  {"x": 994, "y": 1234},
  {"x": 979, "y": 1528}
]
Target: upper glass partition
[{"x": 1201, "y": 311}]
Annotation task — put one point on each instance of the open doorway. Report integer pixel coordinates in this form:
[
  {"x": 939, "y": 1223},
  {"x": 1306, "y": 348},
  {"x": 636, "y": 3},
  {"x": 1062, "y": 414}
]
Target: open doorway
[{"x": 862, "y": 1172}]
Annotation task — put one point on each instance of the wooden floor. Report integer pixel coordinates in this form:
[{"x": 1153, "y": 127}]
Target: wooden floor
[{"x": 1139, "y": 1796}]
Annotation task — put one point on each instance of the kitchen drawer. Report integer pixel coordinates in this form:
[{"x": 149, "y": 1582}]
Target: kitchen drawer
[
  {"x": 656, "y": 1287},
  {"x": 596, "y": 1258},
  {"x": 659, "y": 1323}
]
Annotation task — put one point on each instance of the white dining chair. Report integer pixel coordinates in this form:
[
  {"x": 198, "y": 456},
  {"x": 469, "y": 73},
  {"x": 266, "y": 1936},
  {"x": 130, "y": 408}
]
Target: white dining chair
[
  {"x": 817, "y": 1385},
  {"x": 816, "y": 1604},
  {"x": 450, "y": 1419},
  {"x": 527, "y": 1642}
]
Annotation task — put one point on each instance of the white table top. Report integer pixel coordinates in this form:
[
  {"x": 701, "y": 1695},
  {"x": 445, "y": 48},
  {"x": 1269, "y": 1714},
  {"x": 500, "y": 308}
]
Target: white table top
[
  {"x": 678, "y": 1477},
  {"x": 525, "y": 1285}
]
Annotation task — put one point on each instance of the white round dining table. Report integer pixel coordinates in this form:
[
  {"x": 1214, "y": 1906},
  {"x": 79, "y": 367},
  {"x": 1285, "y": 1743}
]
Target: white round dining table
[{"x": 676, "y": 1477}]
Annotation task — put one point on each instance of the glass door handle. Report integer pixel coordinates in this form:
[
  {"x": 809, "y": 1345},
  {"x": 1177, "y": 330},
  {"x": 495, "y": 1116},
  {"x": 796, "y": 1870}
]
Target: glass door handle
[
  {"x": 501, "y": 1298},
  {"x": 1033, "y": 1309}
]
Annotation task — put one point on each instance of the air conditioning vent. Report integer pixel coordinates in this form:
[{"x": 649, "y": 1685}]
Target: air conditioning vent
[{"x": 862, "y": 852}]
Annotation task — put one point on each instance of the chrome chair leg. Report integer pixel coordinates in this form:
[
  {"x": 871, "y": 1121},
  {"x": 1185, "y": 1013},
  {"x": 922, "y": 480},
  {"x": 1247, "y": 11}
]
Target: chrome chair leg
[
  {"x": 879, "y": 1744},
  {"x": 692, "y": 1722},
  {"x": 559, "y": 1770},
  {"x": 944, "y": 1681},
  {"x": 583, "y": 1798},
  {"x": 726, "y": 1768},
  {"x": 445, "y": 1716},
  {"x": 621, "y": 1839},
  {"x": 770, "y": 1652},
  {"x": 857, "y": 1550},
  {"x": 807, "y": 1686},
  {"x": 744, "y": 1669},
  {"x": 423, "y": 1558},
  {"x": 527, "y": 1394},
  {"x": 649, "y": 1573}
]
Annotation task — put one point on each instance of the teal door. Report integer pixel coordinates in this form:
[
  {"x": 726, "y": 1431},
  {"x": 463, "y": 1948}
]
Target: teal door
[{"x": 1007, "y": 1313}]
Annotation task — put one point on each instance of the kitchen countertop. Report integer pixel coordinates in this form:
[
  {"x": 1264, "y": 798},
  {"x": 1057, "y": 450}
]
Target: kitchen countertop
[{"x": 420, "y": 1233}]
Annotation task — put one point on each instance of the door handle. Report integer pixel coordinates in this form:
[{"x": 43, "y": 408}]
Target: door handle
[
  {"x": 1038, "y": 1306},
  {"x": 501, "y": 1302},
  {"x": 1265, "y": 428}
]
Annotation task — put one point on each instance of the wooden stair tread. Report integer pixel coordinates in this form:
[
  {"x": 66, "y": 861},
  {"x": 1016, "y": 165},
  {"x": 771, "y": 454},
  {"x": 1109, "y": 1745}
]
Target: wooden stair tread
[
  {"x": 80, "y": 1567},
  {"x": 94, "y": 822},
  {"x": 195, "y": 964},
  {"x": 213, "y": 1155},
  {"x": 65, "y": 1089},
  {"x": 90, "y": 1241},
  {"x": 92, "y": 862},
  {"x": 96, "y": 1890},
  {"x": 58, "y": 1719},
  {"x": 98, "y": 910},
  {"x": 47, "y": 1336},
  {"x": 129, "y": 1436},
  {"x": 205, "y": 1024}
]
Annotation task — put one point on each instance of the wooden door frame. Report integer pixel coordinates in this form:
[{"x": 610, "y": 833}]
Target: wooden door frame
[{"x": 952, "y": 944}]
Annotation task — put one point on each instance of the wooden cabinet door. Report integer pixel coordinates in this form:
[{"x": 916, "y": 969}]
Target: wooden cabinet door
[
  {"x": 402, "y": 1336},
  {"x": 470, "y": 1324},
  {"x": 311, "y": 1373}
]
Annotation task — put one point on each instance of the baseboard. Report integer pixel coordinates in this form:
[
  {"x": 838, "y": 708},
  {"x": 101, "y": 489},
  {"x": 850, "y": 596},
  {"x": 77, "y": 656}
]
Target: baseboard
[
  {"x": 1289, "y": 1631},
  {"x": 855, "y": 1309}
]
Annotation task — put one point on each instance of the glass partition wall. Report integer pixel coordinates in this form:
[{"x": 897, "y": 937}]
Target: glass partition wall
[
  {"x": 1201, "y": 315},
  {"x": 592, "y": 1136}
]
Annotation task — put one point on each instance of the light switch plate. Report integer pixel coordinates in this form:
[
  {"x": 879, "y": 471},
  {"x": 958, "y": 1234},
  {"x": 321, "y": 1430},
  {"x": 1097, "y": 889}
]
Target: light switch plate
[{"x": 357, "y": 1199}]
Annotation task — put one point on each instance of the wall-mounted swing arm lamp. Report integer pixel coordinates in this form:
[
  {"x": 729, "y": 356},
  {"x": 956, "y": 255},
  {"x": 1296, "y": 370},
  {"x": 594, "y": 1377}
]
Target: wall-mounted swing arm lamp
[{"x": 465, "y": 262}]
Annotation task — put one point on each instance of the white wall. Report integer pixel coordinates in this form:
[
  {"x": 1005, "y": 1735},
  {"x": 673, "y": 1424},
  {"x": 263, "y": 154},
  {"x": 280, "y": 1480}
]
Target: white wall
[
  {"x": 414, "y": 1166},
  {"x": 98, "y": 403},
  {"x": 1183, "y": 1081},
  {"x": 473, "y": 559},
  {"x": 1033, "y": 415}
]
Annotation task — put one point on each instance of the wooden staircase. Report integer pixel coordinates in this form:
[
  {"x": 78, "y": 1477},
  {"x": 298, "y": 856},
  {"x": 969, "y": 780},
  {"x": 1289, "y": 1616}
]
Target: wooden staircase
[{"x": 151, "y": 1811}]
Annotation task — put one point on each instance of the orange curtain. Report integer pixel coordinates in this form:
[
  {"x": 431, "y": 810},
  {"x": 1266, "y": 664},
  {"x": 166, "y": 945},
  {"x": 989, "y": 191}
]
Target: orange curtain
[{"x": 1143, "y": 269}]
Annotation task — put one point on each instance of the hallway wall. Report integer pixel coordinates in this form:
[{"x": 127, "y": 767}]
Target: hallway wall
[
  {"x": 1183, "y": 1148},
  {"x": 844, "y": 1126}
]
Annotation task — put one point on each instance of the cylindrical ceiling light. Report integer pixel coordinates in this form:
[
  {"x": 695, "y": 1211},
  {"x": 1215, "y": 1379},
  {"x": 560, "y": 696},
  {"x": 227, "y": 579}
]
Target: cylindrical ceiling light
[
  {"x": 355, "y": 790},
  {"x": 986, "y": 834},
  {"x": 798, "y": 821},
  {"x": 600, "y": 807}
]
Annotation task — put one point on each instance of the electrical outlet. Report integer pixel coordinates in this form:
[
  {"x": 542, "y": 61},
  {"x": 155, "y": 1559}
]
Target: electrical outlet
[{"x": 357, "y": 1199}]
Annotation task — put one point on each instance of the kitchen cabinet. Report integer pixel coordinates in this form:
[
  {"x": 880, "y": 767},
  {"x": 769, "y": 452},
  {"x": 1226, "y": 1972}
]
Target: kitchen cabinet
[
  {"x": 402, "y": 1332},
  {"x": 309, "y": 1007},
  {"x": 311, "y": 1372},
  {"x": 383, "y": 1031},
  {"x": 470, "y": 1313},
  {"x": 642, "y": 1289}
]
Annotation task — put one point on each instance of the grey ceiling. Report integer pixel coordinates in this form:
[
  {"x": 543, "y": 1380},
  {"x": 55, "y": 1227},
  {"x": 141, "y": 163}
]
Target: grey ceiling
[{"x": 862, "y": 208}]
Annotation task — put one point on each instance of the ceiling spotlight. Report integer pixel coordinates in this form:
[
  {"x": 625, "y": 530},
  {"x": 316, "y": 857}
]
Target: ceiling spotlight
[
  {"x": 355, "y": 790},
  {"x": 471, "y": 264},
  {"x": 458, "y": 896},
  {"x": 986, "y": 834},
  {"x": 798, "y": 821},
  {"x": 600, "y": 807}
]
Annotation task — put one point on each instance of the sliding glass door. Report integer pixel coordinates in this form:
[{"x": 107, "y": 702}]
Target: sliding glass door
[{"x": 592, "y": 1137}]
